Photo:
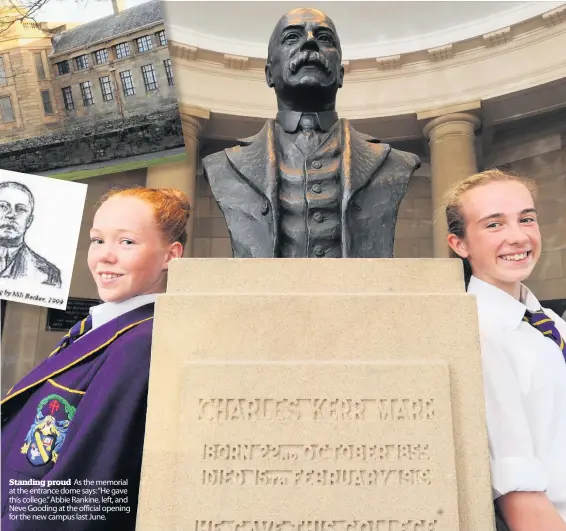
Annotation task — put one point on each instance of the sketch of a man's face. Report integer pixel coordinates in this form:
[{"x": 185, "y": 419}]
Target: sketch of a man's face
[{"x": 16, "y": 214}]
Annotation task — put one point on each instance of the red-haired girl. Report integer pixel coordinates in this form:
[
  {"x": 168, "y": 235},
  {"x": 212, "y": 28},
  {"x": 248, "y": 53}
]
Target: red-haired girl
[{"x": 79, "y": 417}]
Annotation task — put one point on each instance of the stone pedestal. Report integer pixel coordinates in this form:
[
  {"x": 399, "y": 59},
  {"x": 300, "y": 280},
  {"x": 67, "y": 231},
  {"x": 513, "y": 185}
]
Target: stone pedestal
[{"x": 315, "y": 395}]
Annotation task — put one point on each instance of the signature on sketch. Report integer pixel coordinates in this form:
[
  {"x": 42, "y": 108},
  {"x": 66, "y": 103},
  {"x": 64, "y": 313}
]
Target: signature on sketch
[{"x": 17, "y": 260}]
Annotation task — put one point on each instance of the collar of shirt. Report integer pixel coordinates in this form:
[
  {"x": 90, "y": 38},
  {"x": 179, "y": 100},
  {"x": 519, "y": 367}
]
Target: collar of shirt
[
  {"x": 289, "y": 120},
  {"x": 103, "y": 313},
  {"x": 8, "y": 253},
  {"x": 502, "y": 306}
]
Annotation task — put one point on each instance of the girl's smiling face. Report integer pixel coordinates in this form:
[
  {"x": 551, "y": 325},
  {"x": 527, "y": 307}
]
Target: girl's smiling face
[
  {"x": 502, "y": 238},
  {"x": 128, "y": 254}
]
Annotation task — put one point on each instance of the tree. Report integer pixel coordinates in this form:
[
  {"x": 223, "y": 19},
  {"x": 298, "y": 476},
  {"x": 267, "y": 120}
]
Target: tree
[
  {"x": 15, "y": 11},
  {"x": 21, "y": 11}
]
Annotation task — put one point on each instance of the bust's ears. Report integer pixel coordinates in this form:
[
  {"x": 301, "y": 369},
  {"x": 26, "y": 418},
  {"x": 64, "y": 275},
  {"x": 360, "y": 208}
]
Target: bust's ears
[
  {"x": 341, "y": 77},
  {"x": 268, "y": 76}
]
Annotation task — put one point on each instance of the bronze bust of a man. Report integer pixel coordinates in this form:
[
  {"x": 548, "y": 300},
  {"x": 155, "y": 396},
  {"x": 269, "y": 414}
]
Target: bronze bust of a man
[{"x": 308, "y": 184}]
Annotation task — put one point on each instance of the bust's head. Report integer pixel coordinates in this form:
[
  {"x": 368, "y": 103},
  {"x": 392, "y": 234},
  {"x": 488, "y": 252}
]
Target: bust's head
[{"x": 304, "y": 63}]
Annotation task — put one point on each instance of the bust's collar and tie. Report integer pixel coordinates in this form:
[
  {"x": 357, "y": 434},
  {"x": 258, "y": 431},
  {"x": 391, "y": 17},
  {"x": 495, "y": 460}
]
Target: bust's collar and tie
[
  {"x": 323, "y": 120},
  {"x": 309, "y": 127}
]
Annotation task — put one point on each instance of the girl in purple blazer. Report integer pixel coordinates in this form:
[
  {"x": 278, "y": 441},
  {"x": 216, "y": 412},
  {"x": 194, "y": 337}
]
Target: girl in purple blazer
[{"x": 79, "y": 417}]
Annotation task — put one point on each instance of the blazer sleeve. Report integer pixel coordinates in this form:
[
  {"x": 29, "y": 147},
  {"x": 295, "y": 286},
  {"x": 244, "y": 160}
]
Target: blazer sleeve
[{"x": 105, "y": 438}]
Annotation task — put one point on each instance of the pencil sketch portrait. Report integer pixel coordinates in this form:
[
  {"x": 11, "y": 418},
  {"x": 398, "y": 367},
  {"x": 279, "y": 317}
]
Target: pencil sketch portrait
[{"x": 17, "y": 260}]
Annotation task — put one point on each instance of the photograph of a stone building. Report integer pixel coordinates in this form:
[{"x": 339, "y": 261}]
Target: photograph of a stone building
[
  {"x": 92, "y": 102},
  {"x": 105, "y": 81}
]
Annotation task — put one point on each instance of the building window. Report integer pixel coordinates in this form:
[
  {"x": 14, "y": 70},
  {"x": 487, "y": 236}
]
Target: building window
[
  {"x": 63, "y": 67},
  {"x": 86, "y": 93},
  {"x": 106, "y": 88},
  {"x": 6, "y": 111},
  {"x": 161, "y": 38},
  {"x": 46, "y": 99},
  {"x": 39, "y": 65},
  {"x": 101, "y": 56},
  {"x": 82, "y": 62},
  {"x": 169, "y": 72},
  {"x": 3, "y": 77},
  {"x": 68, "y": 98},
  {"x": 144, "y": 43},
  {"x": 127, "y": 83},
  {"x": 122, "y": 50},
  {"x": 149, "y": 79}
]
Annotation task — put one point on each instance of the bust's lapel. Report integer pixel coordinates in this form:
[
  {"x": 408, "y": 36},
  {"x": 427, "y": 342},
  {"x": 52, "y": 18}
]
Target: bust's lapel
[
  {"x": 256, "y": 161},
  {"x": 362, "y": 156}
]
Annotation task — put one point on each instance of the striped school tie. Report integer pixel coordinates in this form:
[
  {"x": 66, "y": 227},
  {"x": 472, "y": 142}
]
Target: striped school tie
[
  {"x": 546, "y": 326},
  {"x": 79, "y": 329}
]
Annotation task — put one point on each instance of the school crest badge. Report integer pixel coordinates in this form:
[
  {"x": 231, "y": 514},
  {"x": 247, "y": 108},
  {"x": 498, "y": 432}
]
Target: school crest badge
[{"x": 48, "y": 431}]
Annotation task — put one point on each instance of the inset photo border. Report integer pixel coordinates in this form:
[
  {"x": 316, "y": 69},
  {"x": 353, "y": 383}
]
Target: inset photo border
[{"x": 40, "y": 220}]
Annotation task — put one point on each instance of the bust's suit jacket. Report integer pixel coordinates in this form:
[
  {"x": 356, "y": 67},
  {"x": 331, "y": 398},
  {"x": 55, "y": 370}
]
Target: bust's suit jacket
[
  {"x": 29, "y": 265},
  {"x": 374, "y": 178}
]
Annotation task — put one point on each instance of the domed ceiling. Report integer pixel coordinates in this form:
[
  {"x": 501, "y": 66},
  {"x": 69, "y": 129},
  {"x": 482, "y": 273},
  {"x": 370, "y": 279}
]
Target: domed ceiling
[{"x": 367, "y": 29}]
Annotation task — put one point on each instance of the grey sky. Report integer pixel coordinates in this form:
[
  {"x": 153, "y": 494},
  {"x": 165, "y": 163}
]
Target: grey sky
[{"x": 78, "y": 10}]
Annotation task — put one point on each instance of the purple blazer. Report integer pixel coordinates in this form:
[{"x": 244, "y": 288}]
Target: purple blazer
[{"x": 80, "y": 415}]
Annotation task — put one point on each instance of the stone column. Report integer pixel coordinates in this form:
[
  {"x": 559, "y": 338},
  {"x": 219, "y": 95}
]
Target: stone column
[
  {"x": 453, "y": 158},
  {"x": 183, "y": 175}
]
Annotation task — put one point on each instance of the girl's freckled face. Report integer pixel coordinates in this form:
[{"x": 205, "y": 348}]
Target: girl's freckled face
[{"x": 128, "y": 255}]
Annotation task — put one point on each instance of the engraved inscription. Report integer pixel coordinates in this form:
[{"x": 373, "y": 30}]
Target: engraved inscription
[
  {"x": 376, "y": 524},
  {"x": 315, "y": 409},
  {"x": 401, "y": 477},
  {"x": 297, "y": 444},
  {"x": 313, "y": 452}
]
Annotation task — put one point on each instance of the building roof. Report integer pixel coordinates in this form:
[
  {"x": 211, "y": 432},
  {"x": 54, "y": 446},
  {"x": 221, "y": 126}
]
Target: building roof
[{"x": 108, "y": 28}]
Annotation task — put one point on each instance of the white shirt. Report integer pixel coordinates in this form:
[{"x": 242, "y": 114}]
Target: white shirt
[
  {"x": 525, "y": 394},
  {"x": 103, "y": 313}
]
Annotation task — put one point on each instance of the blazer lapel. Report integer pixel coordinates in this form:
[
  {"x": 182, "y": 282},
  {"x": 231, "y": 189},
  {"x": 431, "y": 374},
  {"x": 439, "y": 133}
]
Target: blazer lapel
[
  {"x": 83, "y": 348},
  {"x": 362, "y": 156},
  {"x": 256, "y": 162}
]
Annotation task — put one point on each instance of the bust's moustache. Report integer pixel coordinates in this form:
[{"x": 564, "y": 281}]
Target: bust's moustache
[{"x": 308, "y": 57}]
